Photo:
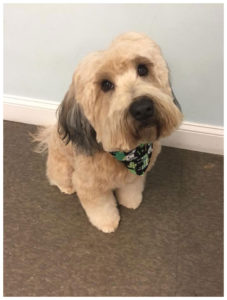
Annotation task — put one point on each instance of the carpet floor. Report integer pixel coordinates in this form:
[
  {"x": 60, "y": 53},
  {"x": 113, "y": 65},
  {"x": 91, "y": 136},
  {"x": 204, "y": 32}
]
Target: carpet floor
[{"x": 172, "y": 245}]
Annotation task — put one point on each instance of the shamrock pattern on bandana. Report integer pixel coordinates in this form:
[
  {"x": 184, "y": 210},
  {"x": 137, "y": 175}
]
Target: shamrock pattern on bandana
[{"x": 136, "y": 160}]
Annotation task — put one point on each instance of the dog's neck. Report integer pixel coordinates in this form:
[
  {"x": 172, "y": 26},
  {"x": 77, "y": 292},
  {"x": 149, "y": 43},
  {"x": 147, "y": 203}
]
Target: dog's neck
[{"x": 136, "y": 160}]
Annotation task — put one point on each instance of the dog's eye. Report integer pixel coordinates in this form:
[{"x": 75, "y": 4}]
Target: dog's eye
[
  {"x": 107, "y": 85},
  {"x": 142, "y": 70}
]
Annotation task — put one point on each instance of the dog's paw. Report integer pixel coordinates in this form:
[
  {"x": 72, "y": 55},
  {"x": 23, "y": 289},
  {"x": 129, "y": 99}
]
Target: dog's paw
[
  {"x": 64, "y": 189},
  {"x": 129, "y": 200},
  {"x": 109, "y": 226},
  {"x": 67, "y": 190},
  {"x": 106, "y": 223}
]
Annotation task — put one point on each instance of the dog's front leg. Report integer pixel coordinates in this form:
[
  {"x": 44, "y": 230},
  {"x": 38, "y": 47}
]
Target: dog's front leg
[
  {"x": 101, "y": 209},
  {"x": 130, "y": 195}
]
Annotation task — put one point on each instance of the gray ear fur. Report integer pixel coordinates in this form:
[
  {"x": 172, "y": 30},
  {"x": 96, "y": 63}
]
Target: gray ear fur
[
  {"x": 175, "y": 100},
  {"x": 73, "y": 125},
  {"x": 174, "y": 97}
]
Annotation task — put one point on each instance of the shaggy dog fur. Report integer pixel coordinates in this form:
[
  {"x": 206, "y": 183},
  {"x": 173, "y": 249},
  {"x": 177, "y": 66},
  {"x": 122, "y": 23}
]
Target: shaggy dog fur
[{"x": 94, "y": 119}]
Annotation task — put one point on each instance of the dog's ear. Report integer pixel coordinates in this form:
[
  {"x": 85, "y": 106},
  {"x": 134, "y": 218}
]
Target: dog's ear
[
  {"x": 73, "y": 125},
  {"x": 175, "y": 100},
  {"x": 174, "y": 97}
]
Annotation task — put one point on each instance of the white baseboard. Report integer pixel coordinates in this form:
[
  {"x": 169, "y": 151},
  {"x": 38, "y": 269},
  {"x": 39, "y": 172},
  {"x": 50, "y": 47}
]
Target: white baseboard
[
  {"x": 197, "y": 137},
  {"x": 190, "y": 136},
  {"x": 29, "y": 110}
]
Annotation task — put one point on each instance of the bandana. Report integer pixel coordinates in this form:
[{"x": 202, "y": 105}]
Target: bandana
[{"x": 136, "y": 160}]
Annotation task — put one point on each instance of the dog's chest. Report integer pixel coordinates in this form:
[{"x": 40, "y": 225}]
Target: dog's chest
[{"x": 104, "y": 170}]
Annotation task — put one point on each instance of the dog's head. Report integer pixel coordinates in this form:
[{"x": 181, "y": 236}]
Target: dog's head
[{"x": 120, "y": 98}]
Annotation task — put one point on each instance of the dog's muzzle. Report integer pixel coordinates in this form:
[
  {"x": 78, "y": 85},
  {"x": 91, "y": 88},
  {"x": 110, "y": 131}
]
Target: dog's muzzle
[{"x": 142, "y": 109}]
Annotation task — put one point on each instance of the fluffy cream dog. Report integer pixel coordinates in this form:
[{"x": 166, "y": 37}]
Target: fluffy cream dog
[{"x": 118, "y": 106}]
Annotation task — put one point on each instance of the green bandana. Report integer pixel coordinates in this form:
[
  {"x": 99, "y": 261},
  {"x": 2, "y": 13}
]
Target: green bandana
[{"x": 136, "y": 160}]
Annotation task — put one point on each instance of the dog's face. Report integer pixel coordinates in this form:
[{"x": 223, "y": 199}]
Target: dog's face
[{"x": 120, "y": 98}]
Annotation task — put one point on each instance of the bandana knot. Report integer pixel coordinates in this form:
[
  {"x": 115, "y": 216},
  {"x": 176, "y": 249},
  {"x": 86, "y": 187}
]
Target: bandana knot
[{"x": 136, "y": 160}]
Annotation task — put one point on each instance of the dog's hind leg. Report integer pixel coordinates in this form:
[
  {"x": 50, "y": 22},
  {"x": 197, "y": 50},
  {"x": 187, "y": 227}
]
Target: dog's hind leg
[{"x": 59, "y": 172}]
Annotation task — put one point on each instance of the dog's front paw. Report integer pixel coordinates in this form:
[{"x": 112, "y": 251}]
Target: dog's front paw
[
  {"x": 129, "y": 199},
  {"x": 101, "y": 210},
  {"x": 67, "y": 190},
  {"x": 107, "y": 223},
  {"x": 109, "y": 226}
]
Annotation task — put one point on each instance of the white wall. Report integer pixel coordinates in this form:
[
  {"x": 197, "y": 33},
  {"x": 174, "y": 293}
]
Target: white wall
[{"x": 44, "y": 42}]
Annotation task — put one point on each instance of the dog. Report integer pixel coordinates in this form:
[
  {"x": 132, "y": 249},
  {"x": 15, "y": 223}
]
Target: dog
[{"x": 109, "y": 124}]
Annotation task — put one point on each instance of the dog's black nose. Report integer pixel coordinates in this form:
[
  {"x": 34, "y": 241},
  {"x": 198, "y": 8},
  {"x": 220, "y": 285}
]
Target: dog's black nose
[{"x": 142, "y": 108}]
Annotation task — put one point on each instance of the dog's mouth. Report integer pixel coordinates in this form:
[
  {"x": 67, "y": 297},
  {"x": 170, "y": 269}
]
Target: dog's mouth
[
  {"x": 145, "y": 131},
  {"x": 150, "y": 122},
  {"x": 151, "y": 125}
]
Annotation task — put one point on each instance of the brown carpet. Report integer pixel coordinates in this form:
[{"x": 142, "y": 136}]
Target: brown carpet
[{"x": 171, "y": 246}]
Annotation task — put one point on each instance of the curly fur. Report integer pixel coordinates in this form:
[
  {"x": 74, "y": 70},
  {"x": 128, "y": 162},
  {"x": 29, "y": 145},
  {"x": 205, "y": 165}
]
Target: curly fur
[{"x": 91, "y": 123}]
